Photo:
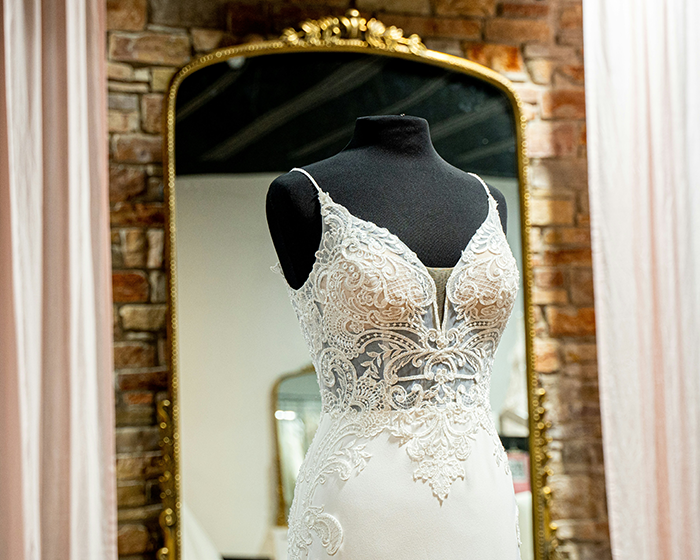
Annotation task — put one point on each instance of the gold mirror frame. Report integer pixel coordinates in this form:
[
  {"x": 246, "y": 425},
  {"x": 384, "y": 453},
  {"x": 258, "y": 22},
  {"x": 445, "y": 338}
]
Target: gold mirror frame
[{"x": 351, "y": 33}]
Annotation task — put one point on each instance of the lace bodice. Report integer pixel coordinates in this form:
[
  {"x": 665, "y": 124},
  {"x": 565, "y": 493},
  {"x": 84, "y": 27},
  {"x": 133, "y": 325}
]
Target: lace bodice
[{"x": 386, "y": 360}]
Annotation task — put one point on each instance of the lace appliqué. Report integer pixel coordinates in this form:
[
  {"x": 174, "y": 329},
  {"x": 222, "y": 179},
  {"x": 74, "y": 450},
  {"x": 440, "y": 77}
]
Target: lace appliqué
[{"x": 385, "y": 361}]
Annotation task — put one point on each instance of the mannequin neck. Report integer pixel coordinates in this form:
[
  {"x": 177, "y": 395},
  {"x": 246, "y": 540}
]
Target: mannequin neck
[{"x": 396, "y": 135}]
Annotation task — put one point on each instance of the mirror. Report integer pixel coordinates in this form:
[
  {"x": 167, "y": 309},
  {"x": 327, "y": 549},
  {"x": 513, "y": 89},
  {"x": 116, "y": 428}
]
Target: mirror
[
  {"x": 245, "y": 398},
  {"x": 297, "y": 410}
]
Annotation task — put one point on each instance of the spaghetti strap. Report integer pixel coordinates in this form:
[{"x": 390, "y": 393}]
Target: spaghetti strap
[
  {"x": 305, "y": 172},
  {"x": 486, "y": 187}
]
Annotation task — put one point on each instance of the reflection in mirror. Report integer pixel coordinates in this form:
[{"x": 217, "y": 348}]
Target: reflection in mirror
[
  {"x": 297, "y": 407},
  {"x": 239, "y": 124}
]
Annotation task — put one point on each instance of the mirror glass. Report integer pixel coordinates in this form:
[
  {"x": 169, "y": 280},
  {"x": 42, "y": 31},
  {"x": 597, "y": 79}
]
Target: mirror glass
[{"x": 249, "y": 401}]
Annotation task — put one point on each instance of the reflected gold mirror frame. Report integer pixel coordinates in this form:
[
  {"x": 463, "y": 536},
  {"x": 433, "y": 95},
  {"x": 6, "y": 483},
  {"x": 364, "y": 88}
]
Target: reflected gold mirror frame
[
  {"x": 355, "y": 34},
  {"x": 280, "y": 518}
]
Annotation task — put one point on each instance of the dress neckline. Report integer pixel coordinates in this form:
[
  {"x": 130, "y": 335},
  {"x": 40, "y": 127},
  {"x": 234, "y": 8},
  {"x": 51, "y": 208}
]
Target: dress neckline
[{"x": 326, "y": 199}]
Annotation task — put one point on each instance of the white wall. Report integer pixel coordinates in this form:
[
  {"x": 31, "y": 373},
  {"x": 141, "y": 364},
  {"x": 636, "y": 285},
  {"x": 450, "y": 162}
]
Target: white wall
[{"x": 237, "y": 335}]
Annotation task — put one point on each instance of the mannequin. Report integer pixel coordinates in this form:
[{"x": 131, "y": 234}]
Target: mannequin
[
  {"x": 389, "y": 174},
  {"x": 406, "y": 461}
]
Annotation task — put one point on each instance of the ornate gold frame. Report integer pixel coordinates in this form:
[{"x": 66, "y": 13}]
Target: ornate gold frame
[{"x": 351, "y": 33}]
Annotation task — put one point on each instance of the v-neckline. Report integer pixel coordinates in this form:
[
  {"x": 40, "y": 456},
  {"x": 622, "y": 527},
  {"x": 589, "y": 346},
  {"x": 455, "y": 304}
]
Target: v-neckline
[
  {"x": 418, "y": 262},
  {"x": 414, "y": 257}
]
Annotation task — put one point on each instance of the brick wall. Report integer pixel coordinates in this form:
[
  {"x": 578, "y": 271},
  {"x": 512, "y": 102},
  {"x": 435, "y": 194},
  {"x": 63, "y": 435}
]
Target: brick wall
[{"x": 535, "y": 43}]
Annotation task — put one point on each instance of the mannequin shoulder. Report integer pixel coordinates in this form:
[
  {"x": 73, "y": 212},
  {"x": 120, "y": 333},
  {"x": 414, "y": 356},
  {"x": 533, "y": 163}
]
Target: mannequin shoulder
[{"x": 290, "y": 193}]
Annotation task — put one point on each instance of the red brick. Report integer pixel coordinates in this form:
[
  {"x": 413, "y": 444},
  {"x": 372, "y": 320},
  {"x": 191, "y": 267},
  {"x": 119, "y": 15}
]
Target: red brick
[
  {"x": 138, "y": 214},
  {"x": 565, "y": 322},
  {"x": 435, "y": 27},
  {"x": 421, "y": 7},
  {"x": 571, "y": 17},
  {"x": 118, "y": 121},
  {"x": 126, "y": 15},
  {"x": 563, "y": 103},
  {"x": 502, "y": 58},
  {"x": 154, "y": 189},
  {"x": 142, "y": 317},
  {"x": 150, "y": 48},
  {"x": 574, "y": 497},
  {"x": 133, "y": 539},
  {"x": 523, "y": 10},
  {"x": 152, "y": 112},
  {"x": 134, "y": 354},
  {"x": 160, "y": 78},
  {"x": 147, "y": 378},
  {"x": 552, "y": 139},
  {"x": 144, "y": 514},
  {"x": 560, "y": 53},
  {"x": 133, "y": 247},
  {"x": 158, "y": 283},
  {"x": 138, "y": 148},
  {"x": 528, "y": 93},
  {"x": 540, "y": 323},
  {"x": 580, "y": 353},
  {"x": 517, "y": 31},
  {"x": 131, "y": 494},
  {"x": 119, "y": 71},
  {"x": 206, "y": 39},
  {"x": 535, "y": 239},
  {"x": 127, "y": 87},
  {"x": 583, "y": 529},
  {"x": 571, "y": 37},
  {"x": 573, "y": 72},
  {"x": 137, "y": 397},
  {"x": 141, "y": 466},
  {"x": 123, "y": 102},
  {"x": 548, "y": 277},
  {"x": 125, "y": 182},
  {"x": 583, "y": 201},
  {"x": 566, "y": 256},
  {"x": 540, "y": 70},
  {"x": 582, "y": 286},
  {"x": 134, "y": 415},
  {"x": 242, "y": 19},
  {"x": 549, "y": 297},
  {"x": 129, "y": 286},
  {"x": 546, "y": 355},
  {"x": 465, "y": 7},
  {"x": 558, "y": 175},
  {"x": 549, "y": 211},
  {"x": 567, "y": 236},
  {"x": 137, "y": 439},
  {"x": 156, "y": 240},
  {"x": 530, "y": 111}
]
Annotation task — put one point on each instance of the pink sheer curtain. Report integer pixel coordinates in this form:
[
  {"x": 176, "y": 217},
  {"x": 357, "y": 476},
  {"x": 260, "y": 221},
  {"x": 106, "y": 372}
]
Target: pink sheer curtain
[
  {"x": 643, "y": 115},
  {"x": 57, "y": 480}
]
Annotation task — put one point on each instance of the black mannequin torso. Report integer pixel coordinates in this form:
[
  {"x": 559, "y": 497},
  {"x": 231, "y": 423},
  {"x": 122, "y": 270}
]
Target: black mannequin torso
[{"x": 391, "y": 175}]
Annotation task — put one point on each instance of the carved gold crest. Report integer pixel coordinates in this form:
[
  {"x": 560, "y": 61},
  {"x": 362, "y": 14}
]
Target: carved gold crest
[{"x": 352, "y": 30}]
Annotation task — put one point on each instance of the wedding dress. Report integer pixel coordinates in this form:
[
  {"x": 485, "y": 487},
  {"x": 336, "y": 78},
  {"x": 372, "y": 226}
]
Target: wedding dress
[{"x": 406, "y": 463}]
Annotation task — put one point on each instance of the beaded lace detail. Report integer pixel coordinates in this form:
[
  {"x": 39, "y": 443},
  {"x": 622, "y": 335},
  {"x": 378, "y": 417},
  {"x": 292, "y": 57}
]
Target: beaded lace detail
[{"x": 386, "y": 362}]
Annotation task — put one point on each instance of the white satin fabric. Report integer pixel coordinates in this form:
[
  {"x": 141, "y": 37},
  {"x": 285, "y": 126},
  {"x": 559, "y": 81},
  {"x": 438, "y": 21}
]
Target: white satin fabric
[
  {"x": 57, "y": 479},
  {"x": 643, "y": 116}
]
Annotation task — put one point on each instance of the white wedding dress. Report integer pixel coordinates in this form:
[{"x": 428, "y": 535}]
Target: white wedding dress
[{"x": 406, "y": 463}]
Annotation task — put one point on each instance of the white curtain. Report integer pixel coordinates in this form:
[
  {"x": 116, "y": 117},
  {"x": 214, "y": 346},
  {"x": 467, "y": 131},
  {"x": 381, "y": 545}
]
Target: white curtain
[
  {"x": 57, "y": 483},
  {"x": 642, "y": 61}
]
